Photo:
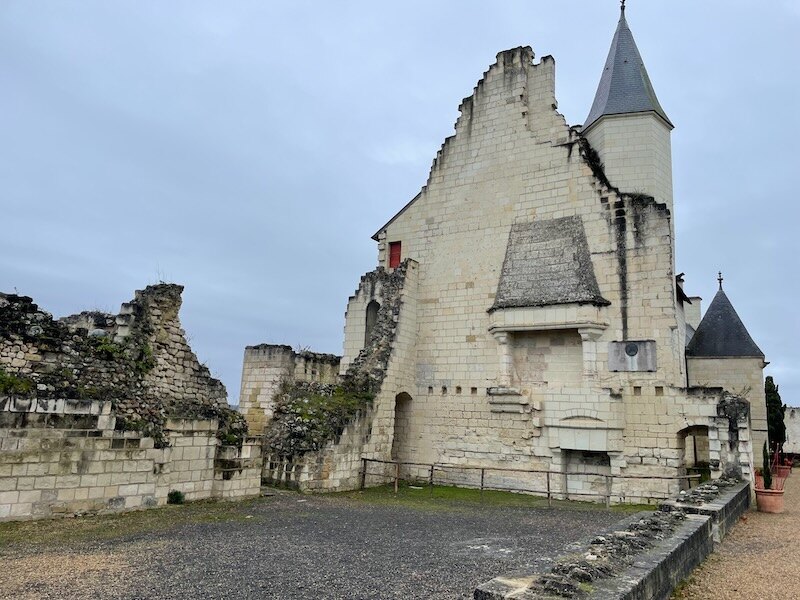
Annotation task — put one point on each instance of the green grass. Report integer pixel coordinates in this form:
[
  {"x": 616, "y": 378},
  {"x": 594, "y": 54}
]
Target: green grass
[
  {"x": 59, "y": 532},
  {"x": 449, "y": 497}
]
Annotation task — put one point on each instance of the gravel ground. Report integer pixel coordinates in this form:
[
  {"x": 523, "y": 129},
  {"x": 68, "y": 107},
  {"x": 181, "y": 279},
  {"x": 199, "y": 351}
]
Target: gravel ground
[
  {"x": 759, "y": 559},
  {"x": 307, "y": 547}
]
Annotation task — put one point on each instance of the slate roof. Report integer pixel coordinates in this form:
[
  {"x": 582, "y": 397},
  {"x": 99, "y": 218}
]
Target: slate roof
[
  {"x": 625, "y": 86},
  {"x": 547, "y": 262},
  {"x": 721, "y": 333}
]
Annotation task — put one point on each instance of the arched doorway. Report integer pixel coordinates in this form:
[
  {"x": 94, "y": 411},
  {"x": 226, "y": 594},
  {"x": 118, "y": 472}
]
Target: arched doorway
[
  {"x": 402, "y": 426},
  {"x": 695, "y": 450},
  {"x": 372, "y": 318}
]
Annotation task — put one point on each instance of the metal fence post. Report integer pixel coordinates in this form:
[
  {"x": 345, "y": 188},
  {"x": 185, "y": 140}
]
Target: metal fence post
[
  {"x": 430, "y": 481},
  {"x": 483, "y": 473},
  {"x": 608, "y": 491},
  {"x": 396, "y": 476}
]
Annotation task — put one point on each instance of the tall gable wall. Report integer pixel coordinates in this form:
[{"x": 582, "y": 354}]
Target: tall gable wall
[{"x": 513, "y": 160}]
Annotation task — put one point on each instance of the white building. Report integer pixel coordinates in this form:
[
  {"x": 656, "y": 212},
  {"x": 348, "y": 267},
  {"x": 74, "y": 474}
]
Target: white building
[{"x": 535, "y": 317}]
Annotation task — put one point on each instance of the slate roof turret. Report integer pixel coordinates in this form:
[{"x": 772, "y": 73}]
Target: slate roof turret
[
  {"x": 721, "y": 333},
  {"x": 625, "y": 87}
]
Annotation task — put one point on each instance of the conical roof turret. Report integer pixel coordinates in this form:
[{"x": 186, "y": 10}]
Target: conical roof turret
[
  {"x": 625, "y": 87},
  {"x": 721, "y": 333}
]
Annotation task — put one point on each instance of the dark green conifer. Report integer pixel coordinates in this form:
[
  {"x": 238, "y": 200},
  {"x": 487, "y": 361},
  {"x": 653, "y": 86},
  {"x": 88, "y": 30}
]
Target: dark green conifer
[{"x": 775, "y": 413}]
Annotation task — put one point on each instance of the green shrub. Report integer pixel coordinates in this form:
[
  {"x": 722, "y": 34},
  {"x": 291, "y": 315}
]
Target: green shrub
[
  {"x": 13, "y": 385},
  {"x": 176, "y": 497},
  {"x": 105, "y": 348}
]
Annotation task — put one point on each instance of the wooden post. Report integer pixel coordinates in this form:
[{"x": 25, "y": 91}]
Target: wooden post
[
  {"x": 430, "y": 481},
  {"x": 549, "y": 495},
  {"x": 363, "y": 473},
  {"x": 396, "y": 476},
  {"x": 608, "y": 491},
  {"x": 483, "y": 472}
]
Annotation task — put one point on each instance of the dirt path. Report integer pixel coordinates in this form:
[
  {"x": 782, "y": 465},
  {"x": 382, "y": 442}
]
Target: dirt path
[{"x": 759, "y": 559}]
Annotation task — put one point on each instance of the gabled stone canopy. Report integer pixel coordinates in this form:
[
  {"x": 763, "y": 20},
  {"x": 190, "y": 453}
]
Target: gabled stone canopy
[
  {"x": 547, "y": 262},
  {"x": 625, "y": 87},
  {"x": 722, "y": 334}
]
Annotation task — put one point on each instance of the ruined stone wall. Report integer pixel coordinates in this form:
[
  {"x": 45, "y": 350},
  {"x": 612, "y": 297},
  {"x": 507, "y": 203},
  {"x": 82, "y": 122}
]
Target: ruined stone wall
[
  {"x": 110, "y": 412},
  {"x": 267, "y": 366},
  {"x": 139, "y": 360},
  {"x": 740, "y": 376},
  {"x": 65, "y": 457},
  {"x": 792, "y": 421},
  {"x": 383, "y": 367}
]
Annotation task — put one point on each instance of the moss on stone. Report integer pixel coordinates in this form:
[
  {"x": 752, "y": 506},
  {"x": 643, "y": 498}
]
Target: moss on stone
[
  {"x": 308, "y": 415},
  {"x": 14, "y": 385}
]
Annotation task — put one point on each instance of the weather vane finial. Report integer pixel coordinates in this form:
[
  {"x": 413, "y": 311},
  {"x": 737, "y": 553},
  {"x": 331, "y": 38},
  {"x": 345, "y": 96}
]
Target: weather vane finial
[
  {"x": 719, "y": 278},
  {"x": 622, "y": 2}
]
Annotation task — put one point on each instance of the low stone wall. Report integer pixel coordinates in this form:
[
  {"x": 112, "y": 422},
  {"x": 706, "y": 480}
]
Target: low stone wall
[
  {"x": 657, "y": 573},
  {"x": 64, "y": 457},
  {"x": 724, "y": 509},
  {"x": 683, "y": 534}
]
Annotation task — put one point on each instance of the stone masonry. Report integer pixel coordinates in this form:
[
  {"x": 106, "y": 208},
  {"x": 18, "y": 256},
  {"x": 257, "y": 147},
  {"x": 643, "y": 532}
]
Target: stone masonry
[
  {"x": 547, "y": 328},
  {"x": 106, "y": 412}
]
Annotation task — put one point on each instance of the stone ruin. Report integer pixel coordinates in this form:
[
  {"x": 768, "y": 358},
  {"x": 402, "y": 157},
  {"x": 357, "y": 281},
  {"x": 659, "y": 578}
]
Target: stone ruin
[
  {"x": 322, "y": 414},
  {"x": 106, "y": 412}
]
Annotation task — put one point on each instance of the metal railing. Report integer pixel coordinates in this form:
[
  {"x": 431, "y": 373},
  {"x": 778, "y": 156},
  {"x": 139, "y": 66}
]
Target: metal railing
[{"x": 546, "y": 478}]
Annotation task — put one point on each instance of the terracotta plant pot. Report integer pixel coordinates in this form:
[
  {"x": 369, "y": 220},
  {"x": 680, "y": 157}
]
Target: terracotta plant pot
[
  {"x": 777, "y": 482},
  {"x": 769, "y": 501},
  {"x": 782, "y": 471}
]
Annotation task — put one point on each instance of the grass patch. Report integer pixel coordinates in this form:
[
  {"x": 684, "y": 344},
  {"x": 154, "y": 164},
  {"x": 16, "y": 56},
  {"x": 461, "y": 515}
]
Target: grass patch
[
  {"x": 59, "y": 532},
  {"x": 454, "y": 497}
]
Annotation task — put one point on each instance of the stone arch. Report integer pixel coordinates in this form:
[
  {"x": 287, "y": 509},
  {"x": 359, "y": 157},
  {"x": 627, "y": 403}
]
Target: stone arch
[
  {"x": 402, "y": 426},
  {"x": 371, "y": 319}
]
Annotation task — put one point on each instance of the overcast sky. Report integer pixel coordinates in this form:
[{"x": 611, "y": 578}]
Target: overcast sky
[{"x": 248, "y": 150}]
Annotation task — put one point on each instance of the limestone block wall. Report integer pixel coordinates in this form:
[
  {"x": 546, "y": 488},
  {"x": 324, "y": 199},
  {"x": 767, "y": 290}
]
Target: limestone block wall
[
  {"x": 741, "y": 376},
  {"x": 636, "y": 150},
  {"x": 792, "y": 421},
  {"x": 334, "y": 468},
  {"x": 693, "y": 311},
  {"x": 513, "y": 160},
  {"x": 64, "y": 457},
  {"x": 370, "y": 289},
  {"x": 266, "y": 366}
]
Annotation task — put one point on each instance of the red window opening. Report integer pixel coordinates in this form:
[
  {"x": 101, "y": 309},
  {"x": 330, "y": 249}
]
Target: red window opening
[{"x": 394, "y": 255}]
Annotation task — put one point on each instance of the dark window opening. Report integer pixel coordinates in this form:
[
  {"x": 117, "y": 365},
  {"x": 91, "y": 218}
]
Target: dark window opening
[{"x": 372, "y": 317}]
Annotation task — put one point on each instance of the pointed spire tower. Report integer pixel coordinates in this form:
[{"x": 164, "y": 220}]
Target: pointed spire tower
[
  {"x": 627, "y": 125},
  {"x": 721, "y": 333}
]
